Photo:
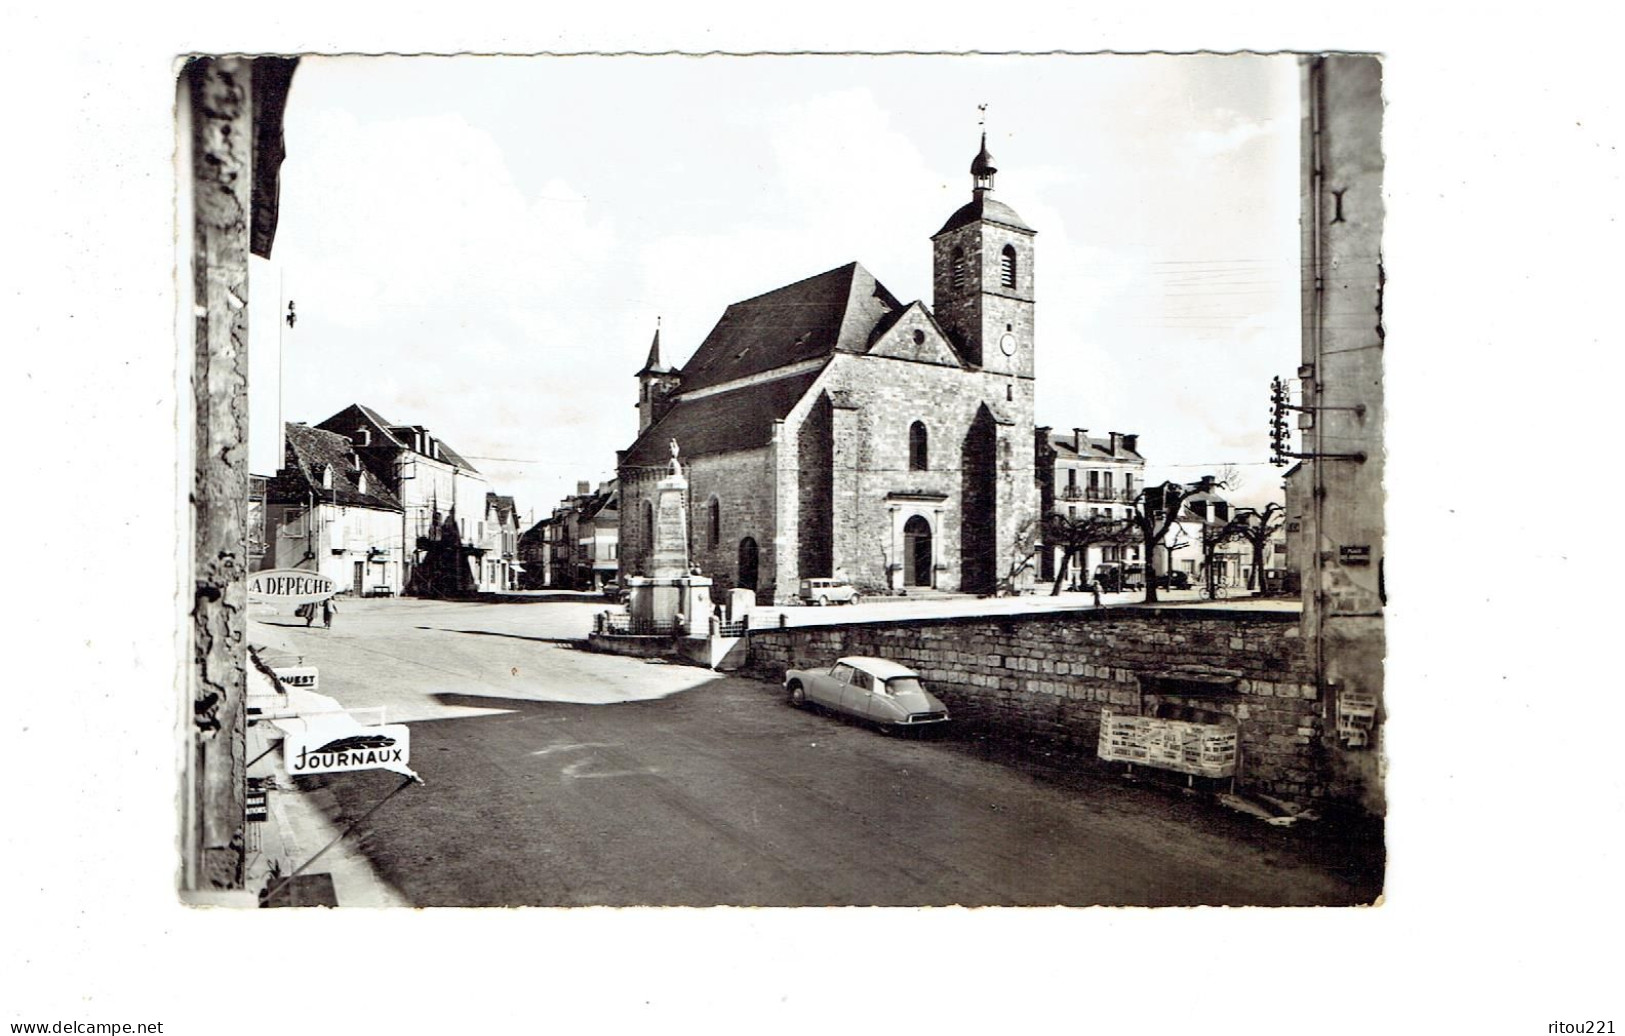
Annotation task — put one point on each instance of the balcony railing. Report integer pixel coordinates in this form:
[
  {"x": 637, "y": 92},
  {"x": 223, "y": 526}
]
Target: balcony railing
[{"x": 1097, "y": 494}]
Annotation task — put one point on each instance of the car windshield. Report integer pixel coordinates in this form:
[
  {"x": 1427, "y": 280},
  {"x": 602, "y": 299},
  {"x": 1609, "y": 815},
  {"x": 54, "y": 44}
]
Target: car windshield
[{"x": 902, "y": 684}]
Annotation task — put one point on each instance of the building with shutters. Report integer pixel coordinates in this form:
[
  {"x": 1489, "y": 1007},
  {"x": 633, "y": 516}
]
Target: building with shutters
[{"x": 324, "y": 511}]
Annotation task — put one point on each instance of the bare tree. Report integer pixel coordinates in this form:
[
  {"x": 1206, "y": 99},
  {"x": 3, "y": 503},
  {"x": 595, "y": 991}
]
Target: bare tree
[
  {"x": 1256, "y": 527},
  {"x": 1155, "y": 510},
  {"x": 1024, "y": 547},
  {"x": 1214, "y": 536},
  {"x": 1075, "y": 535}
]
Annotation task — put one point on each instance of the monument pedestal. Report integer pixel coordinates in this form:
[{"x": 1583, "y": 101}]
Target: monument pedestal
[
  {"x": 670, "y": 593},
  {"x": 656, "y": 603}
]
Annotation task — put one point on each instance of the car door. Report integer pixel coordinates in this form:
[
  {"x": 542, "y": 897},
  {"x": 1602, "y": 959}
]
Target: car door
[
  {"x": 828, "y": 689},
  {"x": 858, "y": 693}
]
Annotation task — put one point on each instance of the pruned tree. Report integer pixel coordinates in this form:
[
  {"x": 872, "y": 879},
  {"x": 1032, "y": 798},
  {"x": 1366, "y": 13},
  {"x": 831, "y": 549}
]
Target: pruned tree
[
  {"x": 1256, "y": 527},
  {"x": 1075, "y": 535},
  {"x": 1155, "y": 509},
  {"x": 1214, "y": 536},
  {"x": 1023, "y": 548}
]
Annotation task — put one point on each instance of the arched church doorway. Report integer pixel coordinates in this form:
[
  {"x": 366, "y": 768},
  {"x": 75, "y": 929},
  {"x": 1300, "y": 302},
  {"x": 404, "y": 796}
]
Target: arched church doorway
[
  {"x": 917, "y": 556},
  {"x": 747, "y": 564}
]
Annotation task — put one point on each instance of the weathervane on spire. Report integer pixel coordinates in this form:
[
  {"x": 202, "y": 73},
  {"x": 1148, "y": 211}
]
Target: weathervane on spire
[{"x": 981, "y": 118}]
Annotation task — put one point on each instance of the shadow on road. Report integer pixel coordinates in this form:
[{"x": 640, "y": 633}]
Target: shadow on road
[{"x": 571, "y": 642}]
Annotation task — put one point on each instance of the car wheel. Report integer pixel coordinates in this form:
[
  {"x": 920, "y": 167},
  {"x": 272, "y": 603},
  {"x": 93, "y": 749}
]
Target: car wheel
[
  {"x": 885, "y": 729},
  {"x": 855, "y": 599},
  {"x": 823, "y": 602},
  {"x": 798, "y": 696}
]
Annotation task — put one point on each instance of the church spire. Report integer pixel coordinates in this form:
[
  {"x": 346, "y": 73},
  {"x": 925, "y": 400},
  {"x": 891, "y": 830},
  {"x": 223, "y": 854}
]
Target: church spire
[
  {"x": 982, "y": 167},
  {"x": 653, "y": 365}
]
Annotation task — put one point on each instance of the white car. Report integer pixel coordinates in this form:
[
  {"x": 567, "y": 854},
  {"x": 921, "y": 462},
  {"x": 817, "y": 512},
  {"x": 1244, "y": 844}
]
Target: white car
[{"x": 874, "y": 689}]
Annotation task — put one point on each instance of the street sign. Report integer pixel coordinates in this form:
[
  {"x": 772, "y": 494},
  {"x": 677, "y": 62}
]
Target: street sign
[
  {"x": 256, "y": 802},
  {"x": 1354, "y": 554},
  {"x": 329, "y": 750},
  {"x": 289, "y": 586},
  {"x": 304, "y": 677}
]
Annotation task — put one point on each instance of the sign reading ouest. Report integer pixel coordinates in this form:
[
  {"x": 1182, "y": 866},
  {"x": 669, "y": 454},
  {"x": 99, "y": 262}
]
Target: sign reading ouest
[{"x": 290, "y": 586}]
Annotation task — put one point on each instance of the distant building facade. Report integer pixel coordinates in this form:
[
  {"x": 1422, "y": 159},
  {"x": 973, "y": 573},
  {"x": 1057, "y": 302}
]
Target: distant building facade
[
  {"x": 498, "y": 536},
  {"x": 828, "y": 429},
  {"x": 326, "y": 512},
  {"x": 1091, "y": 476},
  {"x": 442, "y": 496}
]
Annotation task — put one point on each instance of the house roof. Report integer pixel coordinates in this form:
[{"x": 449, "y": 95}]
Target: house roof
[
  {"x": 1094, "y": 449},
  {"x": 345, "y": 421},
  {"x": 309, "y": 450},
  {"x": 504, "y": 506},
  {"x": 739, "y": 419},
  {"x": 835, "y": 311}
]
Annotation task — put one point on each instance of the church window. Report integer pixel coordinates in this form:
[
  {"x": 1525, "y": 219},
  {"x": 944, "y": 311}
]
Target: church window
[
  {"x": 1007, "y": 266},
  {"x": 713, "y": 522},
  {"x": 649, "y": 524},
  {"x": 956, "y": 273},
  {"x": 918, "y": 456}
]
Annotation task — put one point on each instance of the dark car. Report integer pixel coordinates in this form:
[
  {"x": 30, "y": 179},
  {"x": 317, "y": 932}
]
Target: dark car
[{"x": 1174, "y": 581}]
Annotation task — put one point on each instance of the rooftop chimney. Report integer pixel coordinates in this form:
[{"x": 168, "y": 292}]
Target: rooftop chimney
[
  {"x": 1131, "y": 443},
  {"x": 583, "y": 488},
  {"x": 1080, "y": 436},
  {"x": 1115, "y": 439}
]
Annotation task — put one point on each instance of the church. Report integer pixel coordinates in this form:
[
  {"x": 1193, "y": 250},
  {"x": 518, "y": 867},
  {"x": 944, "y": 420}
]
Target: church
[{"x": 829, "y": 430}]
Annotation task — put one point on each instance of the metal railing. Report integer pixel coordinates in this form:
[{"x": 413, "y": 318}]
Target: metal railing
[{"x": 626, "y": 625}]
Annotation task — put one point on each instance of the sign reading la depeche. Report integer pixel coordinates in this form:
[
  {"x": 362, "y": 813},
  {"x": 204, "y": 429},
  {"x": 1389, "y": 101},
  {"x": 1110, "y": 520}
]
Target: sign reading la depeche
[
  {"x": 290, "y": 586},
  {"x": 388, "y": 747}
]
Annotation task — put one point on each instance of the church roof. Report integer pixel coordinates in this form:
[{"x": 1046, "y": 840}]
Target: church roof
[
  {"x": 836, "y": 311},
  {"x": 740, "y": 419},
  {"x": 982, "y": 207}
]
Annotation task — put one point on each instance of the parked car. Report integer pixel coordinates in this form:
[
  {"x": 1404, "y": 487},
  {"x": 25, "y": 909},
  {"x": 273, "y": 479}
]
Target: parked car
[
  {"x": 825, "y": 592},
  {"x": 1175, "y": 580},
  {"x": 1113, "y": 577},
  {"x": 873, "y": 689}
]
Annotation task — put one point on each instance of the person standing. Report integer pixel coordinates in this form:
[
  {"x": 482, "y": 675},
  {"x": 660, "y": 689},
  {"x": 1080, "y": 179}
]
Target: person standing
[{"x": 329, "y": 606}]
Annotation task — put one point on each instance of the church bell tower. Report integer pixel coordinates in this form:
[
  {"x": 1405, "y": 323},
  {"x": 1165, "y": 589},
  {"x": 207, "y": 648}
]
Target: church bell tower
[{"x": 982, "y": 278}]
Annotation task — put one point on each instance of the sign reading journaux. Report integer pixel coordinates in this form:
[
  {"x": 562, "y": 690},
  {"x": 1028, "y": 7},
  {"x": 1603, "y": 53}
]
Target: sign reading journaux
[{"x": 365, "y": 748}]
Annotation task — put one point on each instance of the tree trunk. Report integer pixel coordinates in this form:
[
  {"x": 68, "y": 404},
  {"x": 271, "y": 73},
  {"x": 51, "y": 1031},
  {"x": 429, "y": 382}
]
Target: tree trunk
[
  {"x": 1149, "y": 568},
  {"x": 1060, "y": 572}
]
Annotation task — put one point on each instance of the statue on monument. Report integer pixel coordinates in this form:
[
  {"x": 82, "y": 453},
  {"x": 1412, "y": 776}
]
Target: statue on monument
[{"x": 676, "y": 469}]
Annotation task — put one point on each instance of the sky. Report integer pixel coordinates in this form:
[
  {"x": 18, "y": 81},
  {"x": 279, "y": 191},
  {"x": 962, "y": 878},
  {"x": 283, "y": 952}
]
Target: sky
[{"x": 484, "y": 245}]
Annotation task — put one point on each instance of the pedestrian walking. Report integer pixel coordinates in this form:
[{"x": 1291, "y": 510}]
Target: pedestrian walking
[
  {"x": 1095, "y": 587},
  {"x": 329, "y": 606},
  {"x": 307, "y": 611}
]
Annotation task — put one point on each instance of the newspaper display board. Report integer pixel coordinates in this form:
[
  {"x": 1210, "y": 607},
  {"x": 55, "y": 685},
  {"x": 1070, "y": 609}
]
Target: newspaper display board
[{"x": 1202, "y": 749}]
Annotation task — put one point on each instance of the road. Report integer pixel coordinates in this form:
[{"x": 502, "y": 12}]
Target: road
[{"x": 558, "y": 777}]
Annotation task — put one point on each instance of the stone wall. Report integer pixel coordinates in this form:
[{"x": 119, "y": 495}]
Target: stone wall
[{"x": 1046, "y": 677}]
